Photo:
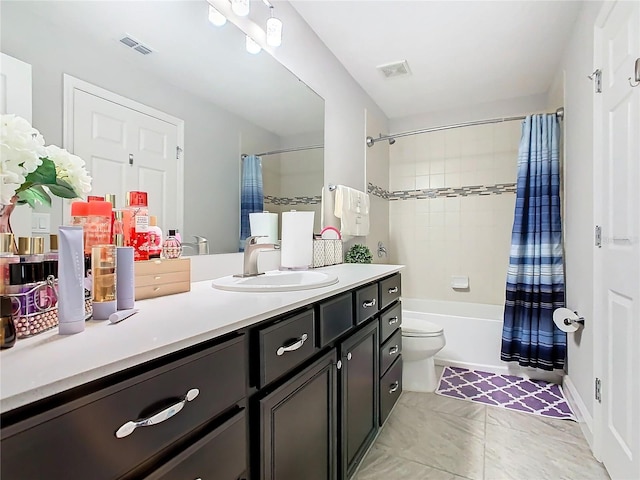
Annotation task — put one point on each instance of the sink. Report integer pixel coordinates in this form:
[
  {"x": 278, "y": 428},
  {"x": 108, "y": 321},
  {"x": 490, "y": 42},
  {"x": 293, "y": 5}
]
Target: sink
[{"x": 276, "y": 281}]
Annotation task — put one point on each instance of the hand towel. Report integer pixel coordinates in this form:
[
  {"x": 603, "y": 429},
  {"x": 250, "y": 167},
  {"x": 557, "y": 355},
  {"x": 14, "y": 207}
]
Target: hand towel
[{"x": 351, "y": 206}]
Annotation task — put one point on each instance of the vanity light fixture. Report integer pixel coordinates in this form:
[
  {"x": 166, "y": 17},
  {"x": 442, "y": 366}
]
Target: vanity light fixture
[
  {"x": 240, "y": 7},
  {"x": 215, "y": 17},
  {"x": 252, "y": 46},
  {"x": 274, "y": 29}
]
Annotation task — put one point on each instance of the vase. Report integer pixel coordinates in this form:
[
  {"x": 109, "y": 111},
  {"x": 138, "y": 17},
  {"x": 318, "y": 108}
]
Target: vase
[{"x": 5, "y": 220}]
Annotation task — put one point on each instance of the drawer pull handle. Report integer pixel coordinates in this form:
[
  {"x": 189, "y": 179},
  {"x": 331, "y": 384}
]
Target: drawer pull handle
[
  {"x": 157, "y": 277},
  {"x": 393, "y": 320},
  {"x": 393, "y": 350},
  {"x": 349, "y": 356},
  {"x": 393, "y": 290},
  {"x": 128, "y": 428},
  {"x": 155, "y": 289},
  {"x": 394, "y": 387},
  {"x": 366, "y": 304},
  {"x": 294, "y": 346}
]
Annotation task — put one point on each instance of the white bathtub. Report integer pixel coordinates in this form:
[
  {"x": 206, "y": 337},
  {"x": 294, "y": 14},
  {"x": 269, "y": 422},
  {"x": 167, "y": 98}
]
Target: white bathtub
[{"x": 473, "y": 334}]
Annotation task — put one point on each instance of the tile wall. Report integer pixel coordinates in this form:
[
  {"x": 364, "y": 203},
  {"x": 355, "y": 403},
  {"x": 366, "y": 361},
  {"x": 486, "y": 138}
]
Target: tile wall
[{"x": 451, "y": 203}]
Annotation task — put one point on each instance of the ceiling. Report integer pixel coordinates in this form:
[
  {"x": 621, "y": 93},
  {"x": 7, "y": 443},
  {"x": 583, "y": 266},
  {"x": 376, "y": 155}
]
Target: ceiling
[{"x": 460, "y": 53}]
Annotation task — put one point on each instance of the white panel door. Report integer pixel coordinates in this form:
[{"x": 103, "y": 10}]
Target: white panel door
[
  {"x": 619, "y": 297},
  {"x": 15, "y": 98},
  {"x": 128, "y": 150},
  {"x": 15, "y": 87}
]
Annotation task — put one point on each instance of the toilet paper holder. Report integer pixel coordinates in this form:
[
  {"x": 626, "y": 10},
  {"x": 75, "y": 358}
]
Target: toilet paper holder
[{"x": 567, "y": 320}]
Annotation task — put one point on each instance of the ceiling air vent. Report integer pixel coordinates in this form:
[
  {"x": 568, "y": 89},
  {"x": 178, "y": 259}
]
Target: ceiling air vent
[
  {"x": 396, "y": 69},
  {"x": 131, "y": 42}
]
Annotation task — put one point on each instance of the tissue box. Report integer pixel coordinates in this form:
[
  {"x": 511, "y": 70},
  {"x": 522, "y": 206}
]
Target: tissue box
[
  {"x": 156, "y": 278},
  {"x": 327, "y": 252}
]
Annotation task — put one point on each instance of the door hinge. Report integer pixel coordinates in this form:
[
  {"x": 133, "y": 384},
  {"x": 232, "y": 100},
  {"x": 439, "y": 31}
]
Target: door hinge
[
  {"x": 597, "y": 76},
  {"x": 598, "y": 236},
  {"x": 131, "y": 159},
  {"x": 178, "y": 152},
  {"x": 598, "y": 390}
]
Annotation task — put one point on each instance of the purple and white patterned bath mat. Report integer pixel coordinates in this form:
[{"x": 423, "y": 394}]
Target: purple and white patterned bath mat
[{"x": 505, "y": 391}]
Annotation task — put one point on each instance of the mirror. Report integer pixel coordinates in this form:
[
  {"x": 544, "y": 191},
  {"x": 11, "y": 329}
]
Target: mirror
[{"x": 231, "y": 102}]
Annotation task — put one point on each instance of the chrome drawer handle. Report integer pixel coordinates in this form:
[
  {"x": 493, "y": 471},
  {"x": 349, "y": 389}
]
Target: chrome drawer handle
[
  {"x": 128, "y": 428},
  {"x": 393, "y": 290},
  {"x": 293, "y": 346},
  {"x": 366, "y": 304},
  {"x": 393, "y": 320},
  {"x": 394, "y": 387},
  {"x": 393, "y": 350}
]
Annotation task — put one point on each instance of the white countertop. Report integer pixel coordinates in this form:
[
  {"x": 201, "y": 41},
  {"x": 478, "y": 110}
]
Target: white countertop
[{"x": 49, "y": 363}]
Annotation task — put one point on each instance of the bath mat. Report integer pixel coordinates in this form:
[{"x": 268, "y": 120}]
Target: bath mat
[{"x": 505, "y": 391}]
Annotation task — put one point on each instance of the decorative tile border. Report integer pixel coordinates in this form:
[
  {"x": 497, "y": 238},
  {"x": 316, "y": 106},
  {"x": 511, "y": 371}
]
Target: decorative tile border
[
  {"x": 378, "y": 191},
  {"x": 271, "y": 200},
  {"x": 468, "y": 191}
]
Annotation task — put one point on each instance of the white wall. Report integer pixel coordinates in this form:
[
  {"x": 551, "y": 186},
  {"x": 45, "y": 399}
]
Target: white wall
[
  {"x": 577, "y": 62},
  {"x": 377, "y": 173}
]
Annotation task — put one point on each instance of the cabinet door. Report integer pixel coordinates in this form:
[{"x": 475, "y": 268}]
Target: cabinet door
[
  {"x": 359, "y": 395},
  {"x": 298, "y": 425}
]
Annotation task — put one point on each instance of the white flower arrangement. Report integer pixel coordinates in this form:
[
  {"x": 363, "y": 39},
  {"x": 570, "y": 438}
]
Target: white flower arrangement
[{"x": 29, "y": 171}]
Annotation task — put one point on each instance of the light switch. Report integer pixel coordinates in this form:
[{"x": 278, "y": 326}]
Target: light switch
[{"x": 40, "y": 222}]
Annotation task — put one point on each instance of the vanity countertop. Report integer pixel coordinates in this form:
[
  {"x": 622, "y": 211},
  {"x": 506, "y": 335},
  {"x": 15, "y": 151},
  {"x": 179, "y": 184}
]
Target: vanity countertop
[{"x": 48, "y": 363}]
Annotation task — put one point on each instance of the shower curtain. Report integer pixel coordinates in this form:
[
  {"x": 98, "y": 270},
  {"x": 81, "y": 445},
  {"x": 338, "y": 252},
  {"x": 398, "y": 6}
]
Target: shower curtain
[
  {"x": 535, "y": 280},
  {"x": 251, "y": 194}
]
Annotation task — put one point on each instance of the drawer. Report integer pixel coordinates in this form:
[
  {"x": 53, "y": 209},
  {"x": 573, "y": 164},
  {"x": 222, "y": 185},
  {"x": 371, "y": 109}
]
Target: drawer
[
  {"x": 221, "y": 455},
  {"x": 159, "y": 290},
  {"x": 162, "y": 278},
  {"x": 389, "y": 321},
  {"x": 390, "y": 290},
  {"x": 335, "y": 317},
  {"x": 390, "y": 389},
  {"x": 366, "y": 303},
  {"x": 390, "y": 350},
  {"x": 78, "y": 439},
  {"x": 157, "y": 266},
  {"x": 285, "y": 345}
]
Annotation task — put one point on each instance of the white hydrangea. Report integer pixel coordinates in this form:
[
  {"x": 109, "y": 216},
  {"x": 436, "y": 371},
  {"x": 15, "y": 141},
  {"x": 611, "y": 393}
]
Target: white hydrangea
[
  {"x": 71, "y": 169},
  {"x": 21, "y": 147}
]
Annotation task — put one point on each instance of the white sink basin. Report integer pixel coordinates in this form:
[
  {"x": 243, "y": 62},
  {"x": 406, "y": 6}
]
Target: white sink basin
[{"x": 276, "y": 281}]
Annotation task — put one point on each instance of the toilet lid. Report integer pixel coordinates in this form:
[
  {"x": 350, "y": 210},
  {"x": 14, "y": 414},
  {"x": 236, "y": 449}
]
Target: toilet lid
[{"x": 413, "y": 327}]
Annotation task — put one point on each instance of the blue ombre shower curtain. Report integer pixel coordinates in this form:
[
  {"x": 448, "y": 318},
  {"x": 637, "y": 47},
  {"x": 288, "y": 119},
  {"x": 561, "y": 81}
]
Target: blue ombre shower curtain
[
  {"x": 535, "y": 281},
  {"x": 251, "y": 194}
]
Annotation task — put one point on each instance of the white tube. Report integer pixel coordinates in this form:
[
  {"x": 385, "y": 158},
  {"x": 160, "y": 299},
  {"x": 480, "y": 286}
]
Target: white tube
[
  {"x": 125, "y": 283},
  {"x": 70, "y": 280}
]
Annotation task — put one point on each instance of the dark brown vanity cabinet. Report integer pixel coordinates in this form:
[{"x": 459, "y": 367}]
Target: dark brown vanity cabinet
[
  {"x": 131, "y": 425},
  {"x": 358, "y": 395},
  {"x": 298, "y": 425}
]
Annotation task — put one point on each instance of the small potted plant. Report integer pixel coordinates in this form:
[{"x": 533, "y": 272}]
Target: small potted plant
[{"x": 358, "y": 254}]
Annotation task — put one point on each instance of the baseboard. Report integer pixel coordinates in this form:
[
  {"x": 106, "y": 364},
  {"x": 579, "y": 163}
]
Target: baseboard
[{"x": 579, "y": 408}]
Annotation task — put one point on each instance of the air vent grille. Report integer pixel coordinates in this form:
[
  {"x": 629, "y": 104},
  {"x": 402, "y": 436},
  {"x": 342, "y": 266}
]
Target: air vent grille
[
  {"x": 139, "y": 47},
  {"x": 396, "y": 69}
]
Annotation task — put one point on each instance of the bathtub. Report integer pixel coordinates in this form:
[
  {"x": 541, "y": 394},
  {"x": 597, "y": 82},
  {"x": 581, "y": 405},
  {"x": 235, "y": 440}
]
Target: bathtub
[{"x": 473, "y": 334}]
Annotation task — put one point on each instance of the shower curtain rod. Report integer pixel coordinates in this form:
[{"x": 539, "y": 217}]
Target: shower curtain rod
[
  {"x": 284, "y": 150},
  {"x": 392, "y": 137}
]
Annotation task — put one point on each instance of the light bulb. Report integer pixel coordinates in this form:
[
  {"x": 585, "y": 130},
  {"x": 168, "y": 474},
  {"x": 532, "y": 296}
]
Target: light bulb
[
  {"x": 274, "y": 32},
  {"x": 240, "y": 7},
  {"x": 216, "y": 18},
  {"x": 252, "y": 46}
]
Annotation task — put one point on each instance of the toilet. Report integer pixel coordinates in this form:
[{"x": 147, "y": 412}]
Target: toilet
[{"x": 421, "y": 340}]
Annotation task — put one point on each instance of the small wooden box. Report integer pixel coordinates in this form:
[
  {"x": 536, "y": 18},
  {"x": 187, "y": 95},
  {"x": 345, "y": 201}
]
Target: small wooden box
[{"x": 156, "y": 278}]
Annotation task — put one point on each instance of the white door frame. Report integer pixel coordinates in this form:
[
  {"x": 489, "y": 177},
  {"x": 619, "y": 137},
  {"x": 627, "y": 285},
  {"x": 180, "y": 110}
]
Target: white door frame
[
  {"x": 71, "y": 84},
  {"x": 599, "y": 310}
]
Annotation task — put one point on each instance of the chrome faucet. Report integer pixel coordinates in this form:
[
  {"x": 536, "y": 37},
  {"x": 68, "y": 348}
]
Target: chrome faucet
[
  {"x": 200, "y": 246},
  {"x": 251, "y": 250}
]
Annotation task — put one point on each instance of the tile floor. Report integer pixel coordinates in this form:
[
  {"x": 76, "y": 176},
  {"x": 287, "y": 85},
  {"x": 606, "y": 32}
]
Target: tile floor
[{"x": 430, "y": 437}]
